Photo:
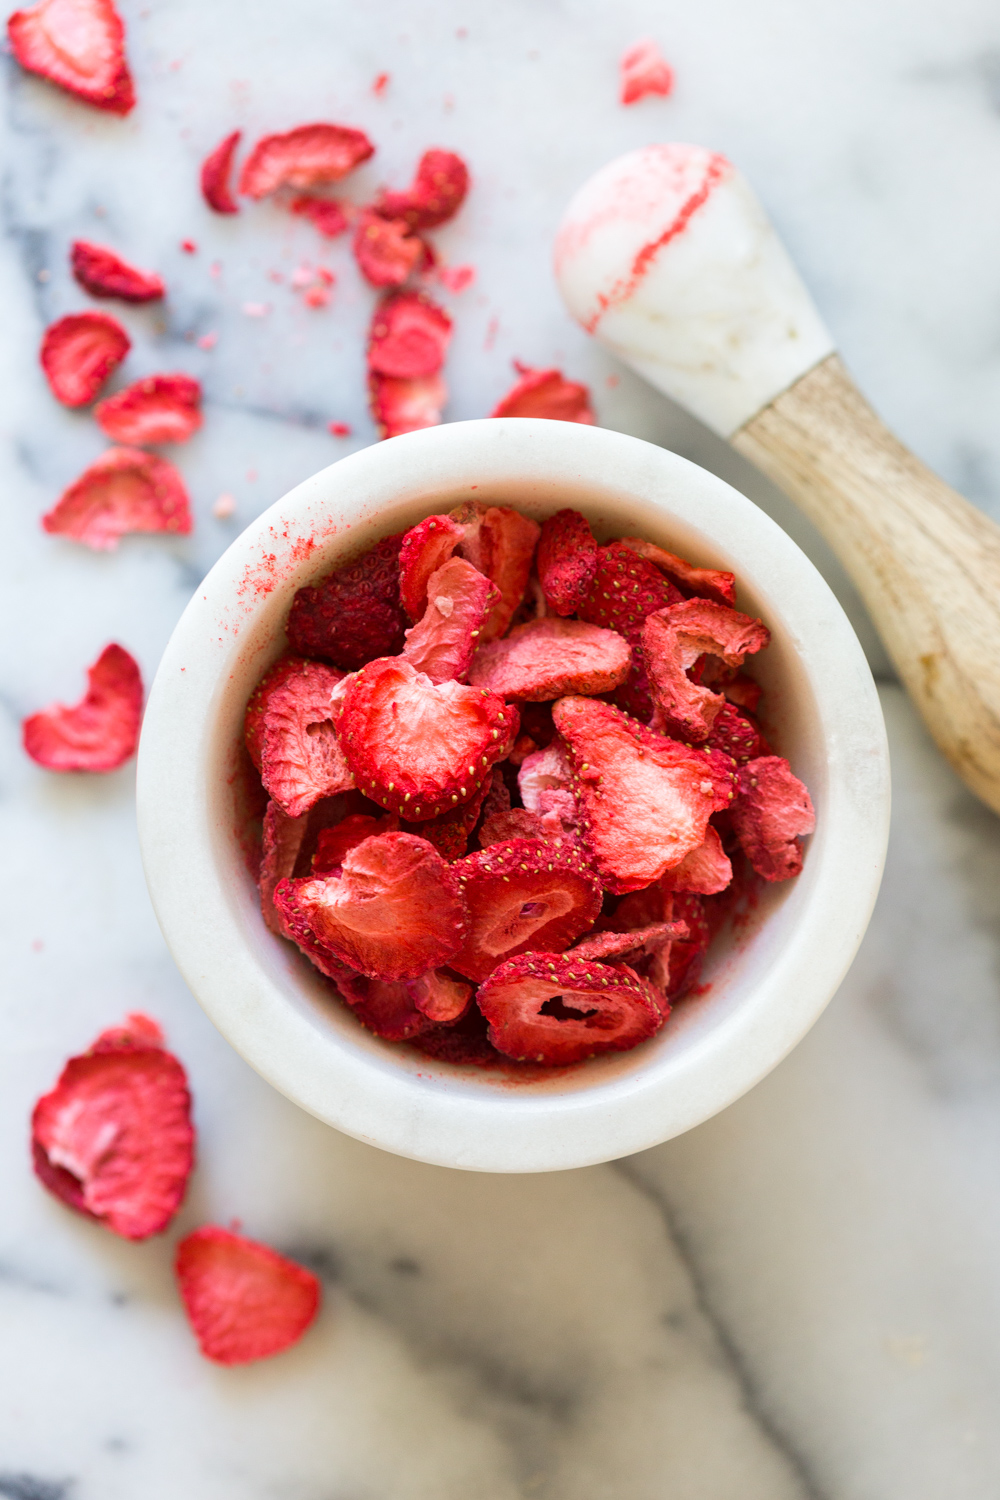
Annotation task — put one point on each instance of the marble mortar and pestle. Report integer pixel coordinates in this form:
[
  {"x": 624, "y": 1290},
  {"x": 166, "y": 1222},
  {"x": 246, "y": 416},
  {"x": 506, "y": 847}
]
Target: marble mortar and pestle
[{"x": 668, "y": 258}]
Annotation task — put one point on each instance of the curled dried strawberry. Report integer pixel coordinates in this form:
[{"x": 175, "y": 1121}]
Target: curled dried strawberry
[
  {"x": 386, "y": 250},
  {"x": 290, "y": 721},
  {"x": 705, "y": 871},
  {"x": 501, "y": 543},
  {"x": 435, "y": 194},
  {"x": 114, "y": 1139},
  {"x": 771, "y": 813},
  {"x": 672, "y": 641},
  {"x": 158, "y": 409},
  {"x": 566, "y": 561},
  {"x": 100, "y": 732},
  {"x": 547, "y": 394},
  {"x": 522, "y": 895},
  {"x": 243, "y": 1300},
  {"x": 354, "y": 613},
  {"x": 394, "y": 912},
  {"x": 122, "y": 491},
  {"x": 409, "y": 336},
  {"x": 556, "y": 1009},
  {"x": 79, "y": 45},
  {"x": 708, "y": 583},
  {"x": 78, "y": 354},
  {"x": 441, "y": 998},
  {"x": 400, "y": 406},
  {"x": 644, "y": 71},
  {"x": 625, "y": 589},
  {"x": 325, "y": 213},
  {"x": 598, "y": 946},
  {"x": 216, "y": 171},
  {"x": 444, "y": 640},
  {"x": 424, "y": 548},
  {"x": 303, "y": 158},
  {"x": 549, "y": 658},
  {"x": 103, "y": 273}
]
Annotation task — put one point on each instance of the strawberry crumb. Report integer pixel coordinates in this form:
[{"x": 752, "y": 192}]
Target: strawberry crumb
[
  {"x": 643, "y": 71},
  {"x": 381, "y": 84},
  {"x": 189, "y": 247},
  {"x": 225, "y": 507},
  {"x": 340, "y": 429}
]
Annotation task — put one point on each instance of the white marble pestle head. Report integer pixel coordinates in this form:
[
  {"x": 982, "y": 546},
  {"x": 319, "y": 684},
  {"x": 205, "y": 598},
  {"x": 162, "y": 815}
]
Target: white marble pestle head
[{"x": 669, "y": 259}]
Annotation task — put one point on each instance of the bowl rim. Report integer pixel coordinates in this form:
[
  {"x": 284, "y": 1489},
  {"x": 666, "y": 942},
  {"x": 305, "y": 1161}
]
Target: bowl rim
[{"x": 425, "y": 1111}]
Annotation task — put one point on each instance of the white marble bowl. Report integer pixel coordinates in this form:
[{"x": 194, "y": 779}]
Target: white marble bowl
[{"x": 768, "y": 982}]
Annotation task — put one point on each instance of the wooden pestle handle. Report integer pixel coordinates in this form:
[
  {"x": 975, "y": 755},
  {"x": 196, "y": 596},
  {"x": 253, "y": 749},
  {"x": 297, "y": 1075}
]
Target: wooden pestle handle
[{"x": 925, "y": 561}]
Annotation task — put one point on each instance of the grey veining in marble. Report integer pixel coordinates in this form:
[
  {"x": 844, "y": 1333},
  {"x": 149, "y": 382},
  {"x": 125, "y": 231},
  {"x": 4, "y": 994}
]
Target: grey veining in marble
[{"x": 800, "y": 1298}]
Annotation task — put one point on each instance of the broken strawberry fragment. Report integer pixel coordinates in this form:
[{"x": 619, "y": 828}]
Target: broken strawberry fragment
[
  {"x": 771, "y": 813},
  {"x": 335, "y": 843},
  {"x": 124, "y": 490},
  {"x": 158, "y": 409},
  {"x": 501, "y": 543},
  {"x": 708, "y": 583},
  {"x": 672, "y": 641},
  {"x": 624, "y": 590},
  {"x": 644, "y": 71},
  {"x": 114, "y": 1139},
  {"x": 441, "y": 998},
  {"x": 303, "y": 158},
  {"x": 289, "y": 721},
  {"x": 737, "y": 735},
  {"x": 549, "y": 658},
  {"x": 385, "y": 1007},
  {"x": 705, "y": 871},
  {"x": 400, "y": 406},
  {"x": 598, "y": 946},
  {"x": 547, "y": 394},
  {"x": 290, "y": 848},
  {"x": 435, "y": 194},
  {"x": 566, "y": 561},
  {"x": 444, "y": 640},
  {"x": 386, "y": 250},
  {"x": 556, "y": 1009},
  {"x": 79, "y": 45},
  {"x": 216, "y": 171},
  {"x": 78, "y": 354},
  {"x": 354, "y": 613},
  {"x": 103, "y": 273},
  {"x": 409, "y": 336},
  {"x": 100, "y": 732},
  {"x": 325, "y": 213},
  {"x": 243, "y": 1300},
  {"x": 424, "y": 548}
]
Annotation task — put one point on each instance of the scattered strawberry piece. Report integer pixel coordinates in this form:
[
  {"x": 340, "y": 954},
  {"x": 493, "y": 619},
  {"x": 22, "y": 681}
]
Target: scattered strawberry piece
[
  {"x": 216, "y": 171},
  {"x": 79, "y": 45},
  {"x": 425, "y": 547},
  {"x": 705, "y": 871},
  {"x": 444, "y": 640},
  {"x": 386, "y": 250},
  {"x": 501, "y": 543},
  {"x": 549, "y": 658},
  {"x": 548, "y": 394},
  {"x": 104, "y": 274},
  {"x": 243, "y": 1300},
  {"x": 303, "y": 158},
  {"x": 526, "y": 894},
  {"x": 707, "y": 583},
  {"x": 737, "y": 735},
  {"x": 441, "y": 999},
  {"x": 100, "y": 732},
  {"x": 189, "y": 247},
  {"x": 418, "y": 747},
  {"x": 644, "y": 801},
  {"x": 435, "y": 194},
  {"x": 772, "y": 811},
  {"x": 395, "y": 911},
  {"x": 456, "y": 278},
  {"x": 644, "y": 71},
  {"x": 333, "y": 844},
  {"x": 598, "y": 946},
  {"x": 400, "y": 406},
  {"x": 556, "y": 1009},
  {"x": 124, "y": 490},
  {"x": 672, "y": 641},
  {"x": 289, "y": 849},
  {"x": 380, "y": 84},
  {"x": 339, "y": 429},
  {"x": 325, "y": 213},
  {"x": 78, "y": 354},
  {"x": 158, "y": 409},
  {"x": 566, "y": 561},
  {"x": 301, "y": 760},
  {"x": 354, "y": 613},
  {"x": 625, "y": 589},
  {"x": 515, "y": 823},
  {"x": 114, "y": 1139},
  {"x": 409, "y": 336}
]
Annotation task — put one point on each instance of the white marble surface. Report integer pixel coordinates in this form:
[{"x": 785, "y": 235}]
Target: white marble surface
[{"x": 799, "y": 1299}]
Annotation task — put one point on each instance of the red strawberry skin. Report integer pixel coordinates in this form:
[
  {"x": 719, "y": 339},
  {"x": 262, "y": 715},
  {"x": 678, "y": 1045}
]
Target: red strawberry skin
[
  {"x": 566, "y": 561},
  {"x": 522, "y": 895},
  {"x": 87, "y": 57},
  {"x": 625, "y": 589},
  {"x": 216, "y": 171},
  {"x": 424, "y": 549},
  {"x": 99, "y": 733},
  {"x": 79, "y": 353},
  {"x": 104, "y": 274},
  {"x": 772, "y": 812},
  {"x": 354, "y": 614},
  {"x": 434, "y": 196},
  {"x": 301, "y": 760},
  {"x": 243, "y": 1300},
  {"x": 409, "y": 336},
  {"x": 736, "y": 734}
]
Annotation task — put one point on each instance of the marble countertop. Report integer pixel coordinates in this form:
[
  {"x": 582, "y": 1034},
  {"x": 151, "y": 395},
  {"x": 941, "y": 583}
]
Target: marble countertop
[{"x": 799, "y": 1298}]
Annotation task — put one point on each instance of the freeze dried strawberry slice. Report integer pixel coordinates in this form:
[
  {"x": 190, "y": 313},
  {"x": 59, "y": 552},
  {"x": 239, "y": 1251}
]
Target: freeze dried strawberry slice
[
  {"x": 386, "y": 250},
  {"x": 216, "y": 171},
  {"x": 325, "y": 213},
  {"x": 385, "y": 1007},
  {"x": 501, "y": 543},
  {"x": 334, "y": 844},
  {"x": 394, "y": 912},
  {"x": 625, "y": 589},
  {"x": 354, "y": 613},
  {"x": 78, "y": 45},
  {"x": 435, "y": 194},
  {"x": 464, "y": 1043},
  {"x": 686, "y": 955},
  {"x": 672, "y": 641},
  {"x": 708, "y": 583},
  {"x": 644, "y": 71},
  {"x": 523, "y": 895},
  {"x": 744, "y": 693},
  {"x": 515, "y": 823},
  {"x": 441, "y": 998},
  {"x": 303, "y": 158},
  {"x": 124, "y": 490},
  {"x": 78, "y": 354},
  {"x": 301, "y": 760},
  {"x": 419, "y": 747},
  {"x": 289, "y": 846},
  {"x": 547, "y": 394},
  {"x": 736, "y": 735},
  {"x": 556, "y": 1009},
  {"x": 771, "y": 813},
  {"x": 100, "y": 732},
  {"x": 159, "y": 409},
  {"x": 425, "y": 548},
  {"x": 243, "y": 1300},
  {"x": 409, "y": 336},
  {"x": 644, "y": 801},
  {"x": 545, "y": 783},
  {"x": 400, "y": 406},
  {"x": 104, "y": 274},
  {"x": 566, "y": 561},
  {"x": 444, "y": 640},
  {"x": 114, "y": 1139},
  {"x": 598, "y": 946},
  {"x": 549, "y": 658},
  {"x": 449, "y": 831},
  {"x": 705, "y": 871}
]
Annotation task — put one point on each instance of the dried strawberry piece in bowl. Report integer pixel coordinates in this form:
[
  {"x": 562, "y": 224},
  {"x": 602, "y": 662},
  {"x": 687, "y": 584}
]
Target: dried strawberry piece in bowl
[
  {"x": 103, "y": 273},
  {"x": 158, "y": 409},
  {"x": 290, "y": 847},
  {"x": 672, "y": 641},
  {"x": 124, "y": 490},
  {"x": 424, "y": 549},
  {"x": 737, "y": 735},
  {"x": 243, "y": 1300},
  {"x": 771, "y": 813},
  {"x": 435, "y": 194},
  {"x": 625, "y": 589},
  {"x": 79, "y": 353},
  {"x": 354, "y": 613},
  {"x": 114, "y": 1139},
  {"x": 303, "y": 158},
  {"x": 409, "y": 336},
  {"x": 79, "y": 45},
  {"x": 547, "y": 394},
  {"x": 709, "y": 583},
  {"x": 445, "y": 638},
  {"x": 546, "y": 659},
  {"x": 291, "y": 737},
  {"x": 216, "y": 171},
  {"x": 566, "y": 561},
  {"x": 100, "y": 733},
  {"x": 500, "y": 542}
]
